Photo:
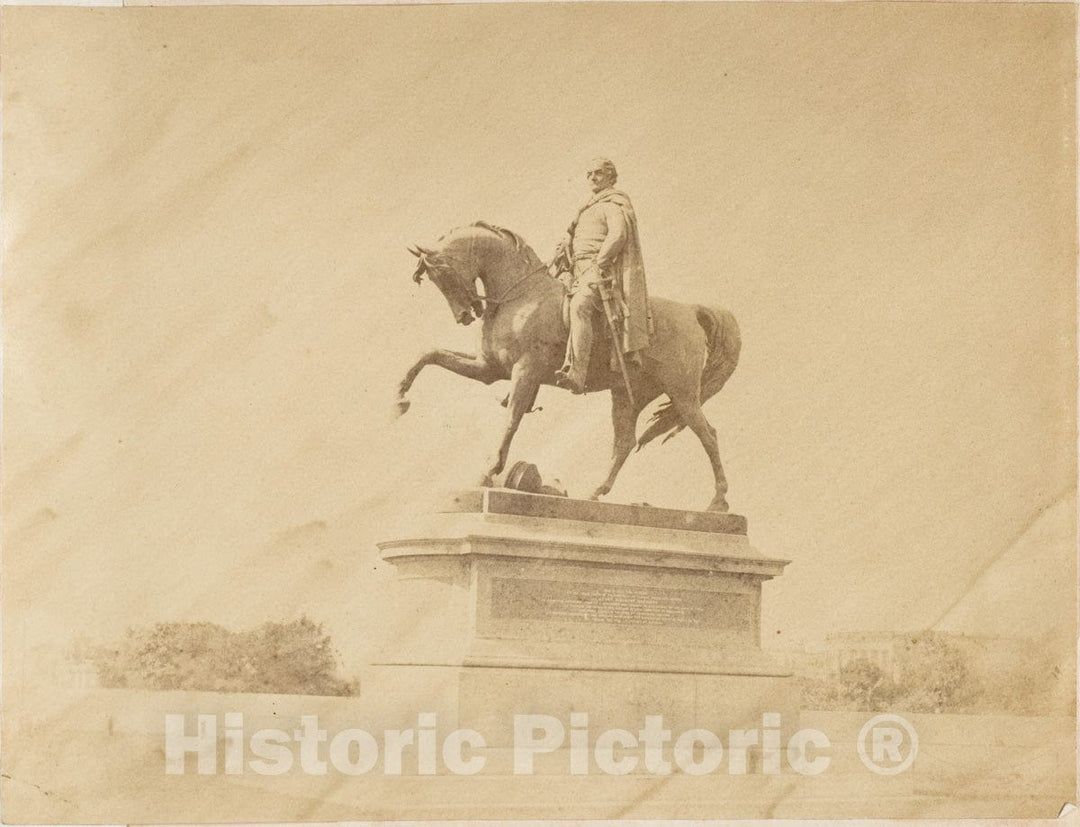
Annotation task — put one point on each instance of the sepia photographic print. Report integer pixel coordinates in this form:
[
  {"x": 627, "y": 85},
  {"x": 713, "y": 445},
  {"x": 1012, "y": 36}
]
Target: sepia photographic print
[{"x": 539, "y": 411}]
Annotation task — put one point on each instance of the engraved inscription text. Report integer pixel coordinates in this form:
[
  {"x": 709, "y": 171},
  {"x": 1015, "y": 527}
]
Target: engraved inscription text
[{"x": 556, "y": 600}]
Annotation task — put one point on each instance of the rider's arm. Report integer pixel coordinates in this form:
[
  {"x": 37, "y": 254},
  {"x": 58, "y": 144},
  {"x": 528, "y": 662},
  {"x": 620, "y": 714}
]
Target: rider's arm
[
  {"x": 561, "y": 259},
  {"x": 615, "y": 239}
]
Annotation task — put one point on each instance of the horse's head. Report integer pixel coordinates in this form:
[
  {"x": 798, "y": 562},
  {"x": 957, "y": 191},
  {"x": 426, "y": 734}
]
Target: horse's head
[{"x": 456, "y": 279}]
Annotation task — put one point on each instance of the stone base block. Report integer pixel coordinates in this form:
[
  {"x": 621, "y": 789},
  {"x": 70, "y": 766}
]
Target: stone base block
[
  {"x": 504, "y": 579},
  {"x": 590, "y": 615},
  {"x": 488, "y": 699}
]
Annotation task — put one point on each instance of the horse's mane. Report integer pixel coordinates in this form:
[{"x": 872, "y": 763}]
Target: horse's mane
[
  {"x": 519, "y": 243},
  {"x": 521, "y": 246}
]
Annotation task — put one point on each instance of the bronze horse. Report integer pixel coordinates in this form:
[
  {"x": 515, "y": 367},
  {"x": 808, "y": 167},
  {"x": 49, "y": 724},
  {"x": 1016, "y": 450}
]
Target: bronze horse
[{"x": 691, "y": 354}]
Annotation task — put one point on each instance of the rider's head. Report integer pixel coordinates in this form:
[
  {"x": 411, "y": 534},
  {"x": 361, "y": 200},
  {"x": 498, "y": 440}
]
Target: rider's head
[{"x": 601, "y": 174}]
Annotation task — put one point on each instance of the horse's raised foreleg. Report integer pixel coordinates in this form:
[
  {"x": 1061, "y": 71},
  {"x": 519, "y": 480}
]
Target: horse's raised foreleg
[
  {"x": 463, "y": 364},
  {"x": 624, "y": 416},
  {"x": 523, "y": 389},
  {"x": 691, "y": 413}
]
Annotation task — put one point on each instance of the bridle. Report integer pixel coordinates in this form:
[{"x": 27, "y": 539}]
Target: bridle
[{"x": 449, "y": 263}]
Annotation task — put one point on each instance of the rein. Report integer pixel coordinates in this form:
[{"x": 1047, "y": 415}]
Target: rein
[{"x": 506, "y": 293}]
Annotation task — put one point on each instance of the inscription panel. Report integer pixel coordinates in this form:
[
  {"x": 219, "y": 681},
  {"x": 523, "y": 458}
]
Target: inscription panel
[{"x": 562, "y": 601}]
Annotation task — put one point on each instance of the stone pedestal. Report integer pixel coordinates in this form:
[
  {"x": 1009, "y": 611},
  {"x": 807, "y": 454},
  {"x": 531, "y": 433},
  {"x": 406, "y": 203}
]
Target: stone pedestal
[{"x": 510, "y": 603}]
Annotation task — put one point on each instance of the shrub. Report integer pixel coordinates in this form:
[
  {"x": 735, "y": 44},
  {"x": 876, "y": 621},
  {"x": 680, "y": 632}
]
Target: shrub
[{"x": 286, "y": 658}]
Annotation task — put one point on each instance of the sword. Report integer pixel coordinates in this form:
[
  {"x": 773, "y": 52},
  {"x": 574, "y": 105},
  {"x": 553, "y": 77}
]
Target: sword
[{"x": 616, "y": 340}]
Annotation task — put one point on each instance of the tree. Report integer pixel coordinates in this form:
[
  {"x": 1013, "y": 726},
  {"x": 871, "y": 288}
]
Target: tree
[
  {"x": 288, "y": 658},
  {"x": 862, "y": 685},
  {"x": 934, "y": 675},
  {"x": 296, "y": 654}
]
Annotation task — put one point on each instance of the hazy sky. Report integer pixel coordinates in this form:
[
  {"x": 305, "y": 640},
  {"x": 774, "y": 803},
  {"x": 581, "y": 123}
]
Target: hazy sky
[{"x": 207, "y": 302}]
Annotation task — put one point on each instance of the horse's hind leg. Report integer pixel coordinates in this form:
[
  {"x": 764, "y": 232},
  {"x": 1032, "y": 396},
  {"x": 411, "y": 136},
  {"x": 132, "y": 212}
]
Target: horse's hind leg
[
  {"x": 624, "y": 416},
  {"x": 691, "y": 413}
]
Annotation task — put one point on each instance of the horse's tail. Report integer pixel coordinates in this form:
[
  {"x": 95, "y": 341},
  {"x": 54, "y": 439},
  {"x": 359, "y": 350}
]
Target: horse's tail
[{"x": 723, "y": 343}]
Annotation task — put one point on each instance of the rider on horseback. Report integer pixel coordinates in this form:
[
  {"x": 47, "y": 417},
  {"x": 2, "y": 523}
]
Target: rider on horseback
[
  {"x": 601, "y": 244},
  {"x": 690, "y": 356}
]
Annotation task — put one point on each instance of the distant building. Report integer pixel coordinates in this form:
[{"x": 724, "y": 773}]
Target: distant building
[
  {"x": 79, "y": 675},
  {"x": 982, "y": 653},
  {"x": 802, "y": 663},
  {"x": 48, "y": 666},
  {"x": 879, "y": 648}
]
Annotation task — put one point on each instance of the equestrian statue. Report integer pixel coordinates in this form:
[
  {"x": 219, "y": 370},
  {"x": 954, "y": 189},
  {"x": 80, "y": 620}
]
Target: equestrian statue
[{"x": 544, "y": 330}]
